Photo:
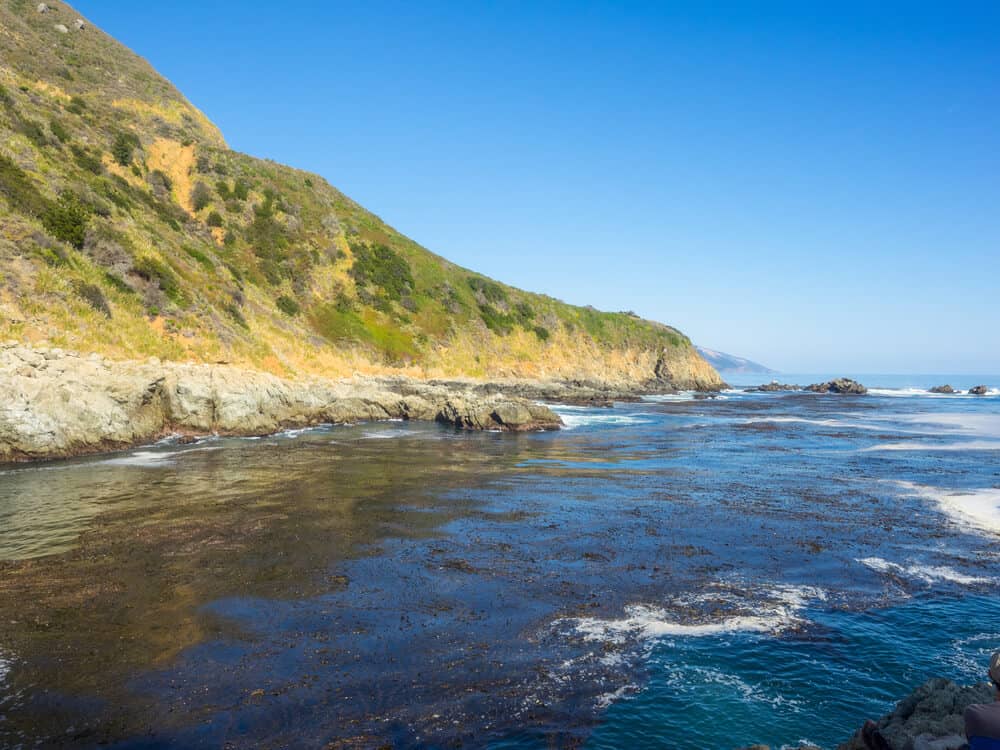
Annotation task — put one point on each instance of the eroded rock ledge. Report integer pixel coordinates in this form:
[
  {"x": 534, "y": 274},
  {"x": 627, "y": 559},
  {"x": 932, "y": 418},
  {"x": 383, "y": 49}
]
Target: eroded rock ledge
[{"x": 56, "y": 404}]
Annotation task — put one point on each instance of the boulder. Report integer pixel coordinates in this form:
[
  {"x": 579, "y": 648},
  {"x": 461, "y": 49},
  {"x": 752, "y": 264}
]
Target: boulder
[
  {"x": 930, "y": 718},
  {"x": 61, "y": 28},
  {"x": 942, "y": 389},
  {"x": 840, "y": 385},
  {"x": 979, "y": 390},
  {"x": 43, "y": 8},
  {"x": 79, "y": 25}
]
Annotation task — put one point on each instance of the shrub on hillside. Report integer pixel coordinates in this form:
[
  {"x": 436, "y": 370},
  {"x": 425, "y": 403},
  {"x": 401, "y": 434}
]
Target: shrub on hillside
[
  {"x": 67, "y": 218},
  {"x": 86, "y": 159},
  {"x": 93, "y": 296},
  {"x": 156, "y": 272},
  {"x": 33, "y": 132},
  {"x": 59, "y": 130},
  {"x": 19, "y": 190},
  {"x": 214, "y": 219},
  {"x": 199, "y": 256},
  {"x": 123, "y": 147},
  {"x": 76, "y": 105},
  {"x": 241, "y": 191},
  {"x": 288, "y": 305},
  {"x": 381, "y": 266},
  {"x": 201, "y": 196}
]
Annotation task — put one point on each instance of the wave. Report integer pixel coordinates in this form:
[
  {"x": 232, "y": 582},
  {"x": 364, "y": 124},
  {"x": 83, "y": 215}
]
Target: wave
[
  {"x": 773, "y": 610},
  {"x": 923, "y": 573},
  {"x": 663, "y": 398},
  {"x": 924, "y": 393},
  {"x": 838, "y": 423},
  {"x": 977, "y": 509},
  {"x": 968, "y": 445},
  {"x": 576, "y": 417}
]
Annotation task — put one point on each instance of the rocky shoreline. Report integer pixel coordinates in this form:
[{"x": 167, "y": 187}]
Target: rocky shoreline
[
  {"x": 929, "y": 718},
  {"x": 58, "y": 404}
]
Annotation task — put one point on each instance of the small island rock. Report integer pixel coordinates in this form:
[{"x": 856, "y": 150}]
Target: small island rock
[
  {"x": 942, "y": 389},
  {"x": 979, "y": 390},
  {"x": 840, "y": 385}
]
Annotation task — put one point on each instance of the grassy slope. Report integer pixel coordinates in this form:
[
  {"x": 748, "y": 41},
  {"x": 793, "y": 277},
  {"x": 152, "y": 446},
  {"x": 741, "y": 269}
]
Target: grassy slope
[{"x": 127, "y": 227}]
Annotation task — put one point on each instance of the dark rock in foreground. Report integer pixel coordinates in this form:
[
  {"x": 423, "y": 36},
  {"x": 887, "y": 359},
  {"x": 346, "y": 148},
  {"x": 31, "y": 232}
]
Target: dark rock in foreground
[
  {"x": 840, "y": 385},
  {"x": 930, "y": 718},
  {"x": 942, "y": 389},
  {"x": 979, "y": 390}
]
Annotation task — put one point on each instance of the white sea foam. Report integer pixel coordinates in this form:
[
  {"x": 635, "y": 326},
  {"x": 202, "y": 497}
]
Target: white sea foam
[
  {"x": 775, "y": 609},
  {"x": 968, "y": 445},
  {"x": 924, "y": 573},
  {"x": 603, "y": 701},
  {"x": 978, "y": 509},
  {"x": 385, "y": 434},
  {"x": 923, "y": 393},
  {"x": 573, "y": 418},
  {"x": 663, "y": 398},
  {"x": 144, "y": 458}
]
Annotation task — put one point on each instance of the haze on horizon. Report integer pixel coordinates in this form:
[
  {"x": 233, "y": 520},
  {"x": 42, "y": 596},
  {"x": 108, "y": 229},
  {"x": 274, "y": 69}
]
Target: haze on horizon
[{"x": 811, "y": 188}]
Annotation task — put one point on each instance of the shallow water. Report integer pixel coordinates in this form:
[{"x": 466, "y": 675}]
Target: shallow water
[{"x": 792, "y": 562}]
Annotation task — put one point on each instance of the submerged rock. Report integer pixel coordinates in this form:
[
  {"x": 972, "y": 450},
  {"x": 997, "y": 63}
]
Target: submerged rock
[
  {"x": 942, "y": 389},
  {"x": 979, "y": 390},
  {"x": 930, "y": 718},
  {"x": 840, "y": 385}
]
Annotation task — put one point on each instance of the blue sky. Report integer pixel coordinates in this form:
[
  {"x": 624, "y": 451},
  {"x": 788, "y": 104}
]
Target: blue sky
[{"x": 815, "y": 186}]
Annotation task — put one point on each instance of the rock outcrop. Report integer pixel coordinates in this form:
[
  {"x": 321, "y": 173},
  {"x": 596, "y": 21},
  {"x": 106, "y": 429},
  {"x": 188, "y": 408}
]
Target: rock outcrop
[
  {"x": 773, "y": 387},
  {"x": 840, "y": 385},
  {"x": 942, "y": 389},
  {"x": 930, "y": 718},
  {"x": 55, "y": 403},
  {"x": 979, "y": 390}
]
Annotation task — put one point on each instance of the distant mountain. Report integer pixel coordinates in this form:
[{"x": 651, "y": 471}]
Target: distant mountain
[{"x": 730, "y": 363}]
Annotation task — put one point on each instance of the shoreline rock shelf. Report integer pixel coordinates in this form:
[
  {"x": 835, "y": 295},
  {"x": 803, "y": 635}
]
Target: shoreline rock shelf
[{"x": 57, "y": 404}]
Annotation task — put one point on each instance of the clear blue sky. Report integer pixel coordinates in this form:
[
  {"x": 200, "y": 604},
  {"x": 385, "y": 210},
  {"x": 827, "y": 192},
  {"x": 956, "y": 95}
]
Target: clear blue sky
[{"x": 812, "y": 185}]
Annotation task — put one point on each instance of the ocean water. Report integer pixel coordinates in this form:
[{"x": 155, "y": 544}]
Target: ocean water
[{"x": 679, "y": 572}]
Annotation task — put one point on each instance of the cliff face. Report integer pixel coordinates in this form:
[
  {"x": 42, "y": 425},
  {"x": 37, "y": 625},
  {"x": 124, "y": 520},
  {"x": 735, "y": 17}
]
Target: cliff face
[{"x": 127, "y": 228}]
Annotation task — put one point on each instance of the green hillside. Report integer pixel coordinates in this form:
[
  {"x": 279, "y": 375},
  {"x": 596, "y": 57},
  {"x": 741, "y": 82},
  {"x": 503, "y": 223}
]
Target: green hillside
[{"x": 128, "y": 227}]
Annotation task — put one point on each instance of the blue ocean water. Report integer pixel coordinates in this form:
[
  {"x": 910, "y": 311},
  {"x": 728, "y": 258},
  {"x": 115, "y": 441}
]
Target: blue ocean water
[{"x": 680, "y": 572}]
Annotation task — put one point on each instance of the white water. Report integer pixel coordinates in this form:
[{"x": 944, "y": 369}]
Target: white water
[
  {"x": 777, "y": 609},
  {"x": 978, "y": 509},
  {"x": 924, "y": 573}
]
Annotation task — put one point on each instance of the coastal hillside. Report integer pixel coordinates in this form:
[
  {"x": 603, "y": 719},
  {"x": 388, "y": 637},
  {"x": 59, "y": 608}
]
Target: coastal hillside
[
  {"x": 128, "y": 228},
  {"x": 731, "y": 363}
]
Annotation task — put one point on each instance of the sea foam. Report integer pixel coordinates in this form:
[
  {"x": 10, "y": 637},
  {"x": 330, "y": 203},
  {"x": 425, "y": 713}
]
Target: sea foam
[
  {"x": 923, "y": 573},
  {"x": 772, "y": 610},
  {"x": 978, "y": 509}
]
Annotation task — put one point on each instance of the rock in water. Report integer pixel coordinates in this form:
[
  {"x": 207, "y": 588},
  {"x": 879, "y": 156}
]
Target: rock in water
[
  {"x": 930, "y": 718},
  {"x": 840, "y": 385},
  {"x": 942, "y": 389},
  {"x": 773, "y": 387},
  {"x": 979, "y": 390}
]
